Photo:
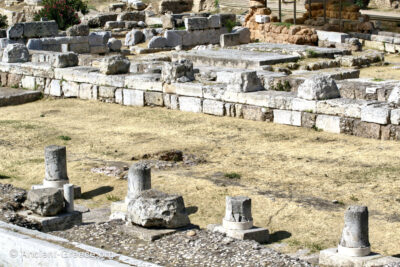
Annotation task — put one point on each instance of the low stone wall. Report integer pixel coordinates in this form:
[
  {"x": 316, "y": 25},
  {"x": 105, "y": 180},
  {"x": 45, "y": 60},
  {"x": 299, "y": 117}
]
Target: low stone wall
[
  {"x": 350, "y": 12},
  {"x": 341, "y": 115},
  {"x": 382, "y": 41}
]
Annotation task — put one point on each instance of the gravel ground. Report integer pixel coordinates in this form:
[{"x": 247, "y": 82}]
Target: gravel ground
[{"x": 186, "y": 248}]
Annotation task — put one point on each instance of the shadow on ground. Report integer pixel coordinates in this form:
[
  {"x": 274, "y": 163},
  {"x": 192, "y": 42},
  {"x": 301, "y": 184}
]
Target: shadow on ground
[
  {"x": 278, "y": 236},
  {"x": 96, "y": 192}
]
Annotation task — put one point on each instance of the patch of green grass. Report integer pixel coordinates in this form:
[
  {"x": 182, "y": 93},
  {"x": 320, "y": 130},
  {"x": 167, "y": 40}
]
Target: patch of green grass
[
  {"x": 232, "y": 175},
  {"x": 229, "y": 24},
  {"x": 64, "y": 137},
  {"x": 112, "y": 198},
  {"x": 311, "y": 53},
  {"x": 181, "y": 28},
  {"x": 315, "y": 128},
  {"x": 15, "y": 86},
  {"x": 286, "y": 24},
  {"x": 377, "y": 80},
  {"x": 154, "y": 26},
  {"x": 285, "y": 86}
]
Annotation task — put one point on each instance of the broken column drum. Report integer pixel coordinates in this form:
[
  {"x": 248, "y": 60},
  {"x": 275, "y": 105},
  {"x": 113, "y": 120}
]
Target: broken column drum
[
  {"x": 69, "y": 197},
  {"x": 55, "y": 160},
  {"x": 139, "y": 179},
  {"x": 355, "y": 240},
  {"x": 238, "y": 213}
]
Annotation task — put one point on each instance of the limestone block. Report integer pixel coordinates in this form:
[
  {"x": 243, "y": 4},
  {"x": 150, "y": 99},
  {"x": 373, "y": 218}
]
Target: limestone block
[
  {"x": 177, "y": 71},
  {"x": 331, "y": 257},
  {"x": 70, "y": 89},
  {"x": 99, "y": 38},
  {"x": 328, "y": 123},
  {"x": 395, "y": 116},
  {"x": 394, "y": 96},
  {"x": 54, "y": 88},
  {"x": 240, "y": 81},
  {"x": 335, "y": 37},
  {"x": 167, "y": 21},
  {"x": 45, "y": 202},
  {"x": 88, "y": 91},
  {"x": 114, "y": 25},
  {"x": 153, "y": 99},
  {"x": 300, "y": 104},
  {"x": 64, "y": 60},
  {"x": 374, "y": 45},
  {"x": 157, "y": 42},
  {"x": 15, "y": 53},
  {"x": 114, "y": 45},
  {"x": 261, "y": 19},
  {"x": 134, "y": 37},
  {"x": 78, "y": 30},
  {"x": 213, "y": 107},
  {"x": 196, "y": 23},
  {"x": 106, "y": 91},
  {"x": 101, "y": 19},
  {"x": 287, "y": 117},
  {"x": 342, "y": 107},
  {"x": 79, "y": 48},
  {"x": 119, "y": 96},
  {"x": 28, "y": 82},
  {"x": 190, "y": 104},
  {"x": 244, "y": 35},
  {"x": 308, "y": 119},
  {"x": 366, "y": 129},
  {"x": 99, "y": 49},
  {"x": 37, "y": 29},
  {"x": 253, "y": 113},
  {"x": 214, "y": 21},
  {"x": 15, "y": 31},
  {"x": 114, "y": 65},
  {"x": 174, "y": 37},
  {"x": 318, "y": 87},
  {"x": 229, "y": 39},
  {"x": 375, "y": 113},
  {"x": 133, "y": 97},
  {"x": 5, "y": 41},
  {"x": 156, "y": 209},
  {"x": 132, "y": 16},
  {"x": 149, "y": 82}
]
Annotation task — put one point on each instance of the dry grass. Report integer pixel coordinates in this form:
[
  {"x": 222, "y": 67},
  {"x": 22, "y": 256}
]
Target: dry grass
[
  {"x": 292, "y": 174},
  {"x": 383, "y": 72}
]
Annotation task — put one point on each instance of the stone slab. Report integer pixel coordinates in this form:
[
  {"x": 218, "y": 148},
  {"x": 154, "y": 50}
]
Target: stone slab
[
  {"x": 330, "y": 257},
  {"x": 258, "y": 234},
  {"x": 54, "y": 223},
  {"x": 225, "y": 58},
  {"x": 147, "y": 234},
  {"x": 336, "y": 37},
  {"x": 11, "y": 96}
]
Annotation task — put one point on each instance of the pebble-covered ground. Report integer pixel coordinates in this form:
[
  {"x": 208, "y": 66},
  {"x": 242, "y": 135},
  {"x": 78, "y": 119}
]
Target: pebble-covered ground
[{"x": 186, "y": 248}]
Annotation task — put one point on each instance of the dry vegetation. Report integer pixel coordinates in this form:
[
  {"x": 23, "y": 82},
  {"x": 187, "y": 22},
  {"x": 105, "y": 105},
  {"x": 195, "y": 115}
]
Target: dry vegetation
[{"x": 292, "y": 174}]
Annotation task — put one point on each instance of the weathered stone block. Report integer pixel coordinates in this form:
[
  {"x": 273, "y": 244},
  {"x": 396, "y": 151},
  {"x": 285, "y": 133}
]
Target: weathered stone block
[
  {"x": 376, "y": 114},
  {"x": 78, "y": 30},
  {"x": 240, "y": 81},
  {"x": 134, "y": 37},
  {"x": 99, "y": 38},
  {"x": 214, "y": 21},
  {"x": 300, "y": 104},
  {"x": 328, "y": 123},
  {"x": 45, "y": 202},
  {"x": 174, "y": 37},
  {"x": 229, "y": 39},
  {"x": 114, "y": 65},
  {"x": 79, "y": 48},
  {"x": 157, "y": 42},
  {"x": 366, "y": 129},
  {"x": 15, "y": 53},
  {"x": 28, "y": 82},
  {"x": 308, "y": 119},
  {"x": 132, "y": 16},
  {"x": 196, "y": 23},
  {"x": 15, "y": 31},
  {"x": 287, "y": 117},
  {"x": 88, "y": 91},
  {"x": 133, "y": 97},
  {"x": 213, "y": 107},
  {"x": 255, "y": 113},
  {"x": 70, "y": 89},
  {"x": 190, "y": 104},
  {"x": 318, "y": 87},
  {"x": 395, "y": 116},
  {"x": 153, "y": 99},
  {"x": 98, "y": 49},
  {"x": 13, "y": 80}
]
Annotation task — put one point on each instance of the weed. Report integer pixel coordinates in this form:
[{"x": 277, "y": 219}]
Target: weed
[
  {"x": 353, "y": 198},
  {"x": 64, "y": 137},
  {"x": 311, "y": 53},
  {"x": 281, "y": 86},
  {"x": 112, "y": 198},
  {"x": 229, "y": 24},
  {"x": 309, "y": 111},
  {"x": 315, "y": 128},
  {"x": 286, "y": 24},
  {"x": 15, "y": 86},
  {"x": 377, "y": 80},
  {"x": 154, "y": 26},
  {"x": 232, "y": 175},
  {"x": 216, "y": 3}
]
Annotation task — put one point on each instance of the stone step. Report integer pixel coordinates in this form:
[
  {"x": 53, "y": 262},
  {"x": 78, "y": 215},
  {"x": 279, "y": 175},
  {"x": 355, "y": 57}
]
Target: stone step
[{"x": 12, "y": 96}]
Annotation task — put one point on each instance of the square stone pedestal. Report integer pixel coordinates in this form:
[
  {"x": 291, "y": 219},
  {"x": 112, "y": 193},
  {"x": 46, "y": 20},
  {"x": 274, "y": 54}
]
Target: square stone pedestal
[
  {"x": 77, "y": 189},
  {"x": 330, "y": 257},
  {"x": 261, "y": 235},
  {"x": 54, "y": 223}
]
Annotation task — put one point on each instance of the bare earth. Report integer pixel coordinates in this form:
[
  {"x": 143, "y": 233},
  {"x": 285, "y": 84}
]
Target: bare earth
[{"x": 292, "y": 174}]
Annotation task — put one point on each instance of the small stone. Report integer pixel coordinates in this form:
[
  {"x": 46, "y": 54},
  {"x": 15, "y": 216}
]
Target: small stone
[{"x": 191, "y": 233}]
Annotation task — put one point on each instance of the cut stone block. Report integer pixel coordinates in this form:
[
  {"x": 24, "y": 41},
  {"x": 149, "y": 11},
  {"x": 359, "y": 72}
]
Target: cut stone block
[
  {"x": 115, "y": 65},
  {"x": 37, "y": 29},
  {"x": 190, "y": 104},
  {"x": 133, "y": 97},
  {"x": 328, "y": 123},
  {"x": 79, "y": 48},
  {"x": 78, "y": 30},
  {"x": 147, "y": 234},
  {"x": 196, "y": 23},
  {"x": 376, "y": 114},
  {"x": 260, "y": 235},
  {"x": 177, "y": 71},
  {"x": 300, "y": 104},
  {"x": 229, "y": 39},
  {"x": 342, "y": 107},
  {"x": 59, "y": 222},
  {"x": 253, "y": 113},
  {"x": 153, "y": 99},
  {"x": 15, "y": 31},
  {"x": 213, "y": 107},
  {"x": 335, "y": 37},
  {"x": 134, "y": 37},
  {"x": 99, "y": 38},
  {"x": 98, "y": 49},
  {"x": 70, "y": 89},
  {"x": 318, "y": 87},
  {"x": 174, "y": 37},
  {"x": 45, "y": 201},
  {"x": 157, "y": 42},
  {"x": 367, "y": 129},
  {"x": 240, "y": 81},
  {"x": 287, "y": 117},
  {"x": 152, "y": 208},
  {"x": 261, "y": 19},
  {"x": 395, "y": 116},
  {"x": 214, "y": 21},
  {"x": 15, "y": 53}
]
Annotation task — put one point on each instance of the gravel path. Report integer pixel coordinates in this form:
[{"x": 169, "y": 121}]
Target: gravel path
[{"x": 186, "y": 248}]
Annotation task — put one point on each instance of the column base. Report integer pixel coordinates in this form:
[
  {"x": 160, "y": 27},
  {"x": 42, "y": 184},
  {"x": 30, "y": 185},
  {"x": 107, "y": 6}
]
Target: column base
[
  {"x": 228, "y": 225},
  {"x": 354, "y": 252},
  {"x": 331, "y": 257}
]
